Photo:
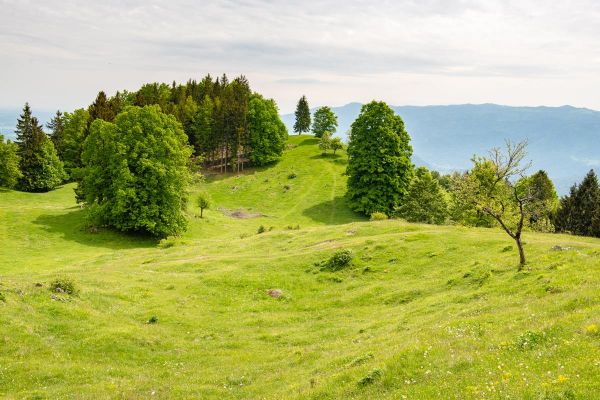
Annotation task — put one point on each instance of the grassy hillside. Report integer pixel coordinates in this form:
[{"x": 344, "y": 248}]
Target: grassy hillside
[{"x": 425, "y": 312}]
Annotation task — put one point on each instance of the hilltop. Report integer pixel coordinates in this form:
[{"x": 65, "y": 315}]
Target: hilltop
[{"x": 424, "y": 312}]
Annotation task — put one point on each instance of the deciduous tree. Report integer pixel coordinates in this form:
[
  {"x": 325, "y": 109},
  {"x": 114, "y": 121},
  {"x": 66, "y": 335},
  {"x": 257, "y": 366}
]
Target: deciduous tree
[{"x": 324, "y": 120}]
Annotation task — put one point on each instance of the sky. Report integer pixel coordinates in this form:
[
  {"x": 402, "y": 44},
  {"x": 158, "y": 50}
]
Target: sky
[{"x": 59, "y": 54}]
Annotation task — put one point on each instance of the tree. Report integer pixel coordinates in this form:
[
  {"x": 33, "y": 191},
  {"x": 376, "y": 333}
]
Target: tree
[
  {"x": 324, "y": 120},
  {"x": 9, "y": 163},
  {"x": 75, "y": 126},
  {"x": 542, "y": 208},
  {"x": 336, "y": 144},
  {"x": 41, "y": 169},
  {"x": 56, "y": 126},
  {"x": 462, "y": 208},
  {"x": 379, "y": 167},
  {"x": 204, "y": 202},
  {"x": 325, "y": 142},
  {"x": 425, "y": 201},
  {"x": 267, "y": 133},
  {"x": 579, "y": 213},
  {"x": 502, "y": 192},
  {"x": 135, "y": 175},
  {"x": 302, "y": 114}
]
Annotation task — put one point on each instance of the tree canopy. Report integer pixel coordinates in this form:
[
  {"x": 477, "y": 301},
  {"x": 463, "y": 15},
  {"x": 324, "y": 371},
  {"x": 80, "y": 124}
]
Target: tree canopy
[
  {"x": 268, "y": 134},
  {"x": 135, "y": 172},
  {"x": 324, "y": 120},
  {"x": 426, "y": 200},
  {"x": 9, "y": 163},
  {"x": 379, "y": 166}
]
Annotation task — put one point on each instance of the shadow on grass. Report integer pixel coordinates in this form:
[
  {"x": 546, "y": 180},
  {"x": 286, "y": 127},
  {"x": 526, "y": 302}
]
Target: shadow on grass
[
  {"x": 333, "y": 212},
  {"x": 70, "y": 226},
  {"x": 308, "y": 142},
  {"x": 334, "y": 158}
]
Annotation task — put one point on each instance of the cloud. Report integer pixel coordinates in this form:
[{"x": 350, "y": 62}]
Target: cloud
[
  {"x": 441, "y": 50},
  {"x": 590, "y": 162}
]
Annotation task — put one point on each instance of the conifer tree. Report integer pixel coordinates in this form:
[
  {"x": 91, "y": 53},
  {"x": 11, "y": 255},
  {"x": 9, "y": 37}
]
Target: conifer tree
[
  {"x": 57, "y": 130},
  {"x": 579, "y": 213},
  {"x": 41, "y": 169},
  {"x": 302, "y": 113}
]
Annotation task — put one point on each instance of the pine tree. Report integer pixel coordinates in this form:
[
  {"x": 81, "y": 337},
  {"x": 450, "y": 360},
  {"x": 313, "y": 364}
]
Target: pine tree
[
  {"x": 40, "y": 167},
  {"x": 302, "y": 116},
  {"x": 379, "y": 167},
  {"x": 584, "y": 206},
  {"x": 57, "y": 130}
]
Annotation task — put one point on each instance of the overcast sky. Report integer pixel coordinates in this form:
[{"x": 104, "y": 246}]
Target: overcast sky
[{"x": 59, "y": 54}]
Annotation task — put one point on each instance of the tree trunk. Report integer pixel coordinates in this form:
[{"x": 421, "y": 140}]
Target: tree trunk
[
  {"x": 201, "y": 212},
  {"x": 521, "y": 253}
]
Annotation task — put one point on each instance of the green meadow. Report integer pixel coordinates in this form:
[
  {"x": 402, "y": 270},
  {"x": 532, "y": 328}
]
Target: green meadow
[{"x": 225, "y": 312}]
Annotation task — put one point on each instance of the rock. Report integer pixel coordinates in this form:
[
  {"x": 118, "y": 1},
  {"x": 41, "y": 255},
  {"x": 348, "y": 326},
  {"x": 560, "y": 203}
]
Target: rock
[
  {"x": 561, "y": 248},
  {"x": 275, "y": 293}
]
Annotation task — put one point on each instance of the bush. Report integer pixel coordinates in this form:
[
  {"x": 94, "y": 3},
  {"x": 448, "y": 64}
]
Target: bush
[
  {"x": 2, "y": 297},
  {"x": 292, "y": 175},
  {"x": 261, "y": 229},
  {"x": 340, "y": 260},
  {"x": 153, "y": 320},
  {"x": 371, "y": 377},
  {"x": 63, "y": 285},
  {"x": 378, "y": 216}
]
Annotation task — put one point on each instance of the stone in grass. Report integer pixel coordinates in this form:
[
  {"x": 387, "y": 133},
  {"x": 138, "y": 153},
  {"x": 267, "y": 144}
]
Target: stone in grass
[
  {"x": 275, "y": 293},
  {"x": 561, "y": 248}
]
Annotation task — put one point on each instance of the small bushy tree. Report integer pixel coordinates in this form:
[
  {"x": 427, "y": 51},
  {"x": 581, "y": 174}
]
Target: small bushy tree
[
  {"x": 426, "y": 200},
  {"x": 325, "y": 142},
  {"x": 135, "y": 175},
  {"x": 324, "y": 120},
  {"x": 379, "y": 166},
  {"x": 336, "y": 144},
  {"x": 9, "y": 163},
  {"x": 204, "y": 203}
]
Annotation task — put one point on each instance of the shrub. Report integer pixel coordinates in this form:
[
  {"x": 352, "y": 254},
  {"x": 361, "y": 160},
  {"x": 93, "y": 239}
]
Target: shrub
[
  {"x": 340, "y": 260},
  {"x": 153, "y": 319},
  {"x": 63, "y": 285},
  {"x": 2, "y": 297},
  {"x": 292, "y": 175},
  {"x": 203, "y": 203},
  {"x": 371, "y": 377},
  {"x": 378, "y": 216},
  {"x": 261, "y": 229}
]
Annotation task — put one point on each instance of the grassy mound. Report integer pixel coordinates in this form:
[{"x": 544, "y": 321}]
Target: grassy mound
[{"x": 421, "y": 312}]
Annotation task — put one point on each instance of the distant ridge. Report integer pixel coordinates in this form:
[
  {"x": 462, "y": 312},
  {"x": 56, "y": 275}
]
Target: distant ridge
[{"x": 563, "y": 140}]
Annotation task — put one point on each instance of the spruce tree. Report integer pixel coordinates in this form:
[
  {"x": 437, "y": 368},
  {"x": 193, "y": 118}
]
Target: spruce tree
[
  {"x": 57, "y": 130},
  {"x": 379, "y": 166},
  {"x": 41, "y": 169},
  {"x": 302, "y": 116},
  {"x": 586, "y": 204}
]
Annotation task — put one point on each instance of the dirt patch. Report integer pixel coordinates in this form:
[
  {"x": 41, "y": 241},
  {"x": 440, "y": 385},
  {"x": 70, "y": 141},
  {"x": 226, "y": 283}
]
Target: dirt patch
[
  {"x": 240, "y": 213},
  {"x": 275, "y": 293}
]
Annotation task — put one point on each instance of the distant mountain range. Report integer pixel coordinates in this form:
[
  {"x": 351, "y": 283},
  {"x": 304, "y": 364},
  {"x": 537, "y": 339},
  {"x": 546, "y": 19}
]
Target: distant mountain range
[{"x": 565, "y": 141}]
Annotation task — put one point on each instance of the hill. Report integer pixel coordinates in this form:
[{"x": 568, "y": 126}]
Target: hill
[
  {"x": 563, "y": 140},
  {"x": 425, "y": 312}
]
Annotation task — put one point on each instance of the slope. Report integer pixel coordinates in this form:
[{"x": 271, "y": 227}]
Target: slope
[{"x": 425, "y": 312}]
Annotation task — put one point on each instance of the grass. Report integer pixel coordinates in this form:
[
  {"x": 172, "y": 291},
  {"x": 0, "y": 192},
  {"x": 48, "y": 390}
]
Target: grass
[{"x": 423, "y": 311}]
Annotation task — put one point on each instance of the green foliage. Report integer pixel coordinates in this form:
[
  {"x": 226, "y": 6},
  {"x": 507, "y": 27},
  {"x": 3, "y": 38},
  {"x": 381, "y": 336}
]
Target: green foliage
[
  {"x": 542, "y": 208},
  {"x": 379, "y": 167},
  {"x": 41, "y": 170},
  {"x": 9, "y": 163},
  {"x": 267, "y": 133},
  {"x": 135, "y": 174},
  {"x": 324, "y": 120},
  {"x": 426, "y": 200},
  {"x": 261, "y": 229},
  {"x": 371, "y": 377},
  {"x": 204, "y": 202},
  {"x": 336, "y": 144},
  {"x": 378, "y": 216},
  {"x": 339, "y": 260},
  {"x": 462, "y": 207},
  {"x": 325, "y": 142},
  {"x": 579, "y": 212},
  {"x": 63, "y": 285},
  {"x": 302, "y": 114},
  {"x": 56, "y": 126},
  {"x": 75, "y": 126}
]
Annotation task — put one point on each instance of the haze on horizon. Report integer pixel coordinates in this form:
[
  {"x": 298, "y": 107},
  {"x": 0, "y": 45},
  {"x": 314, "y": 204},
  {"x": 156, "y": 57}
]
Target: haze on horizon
[{"x": 59, "y": 54}]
